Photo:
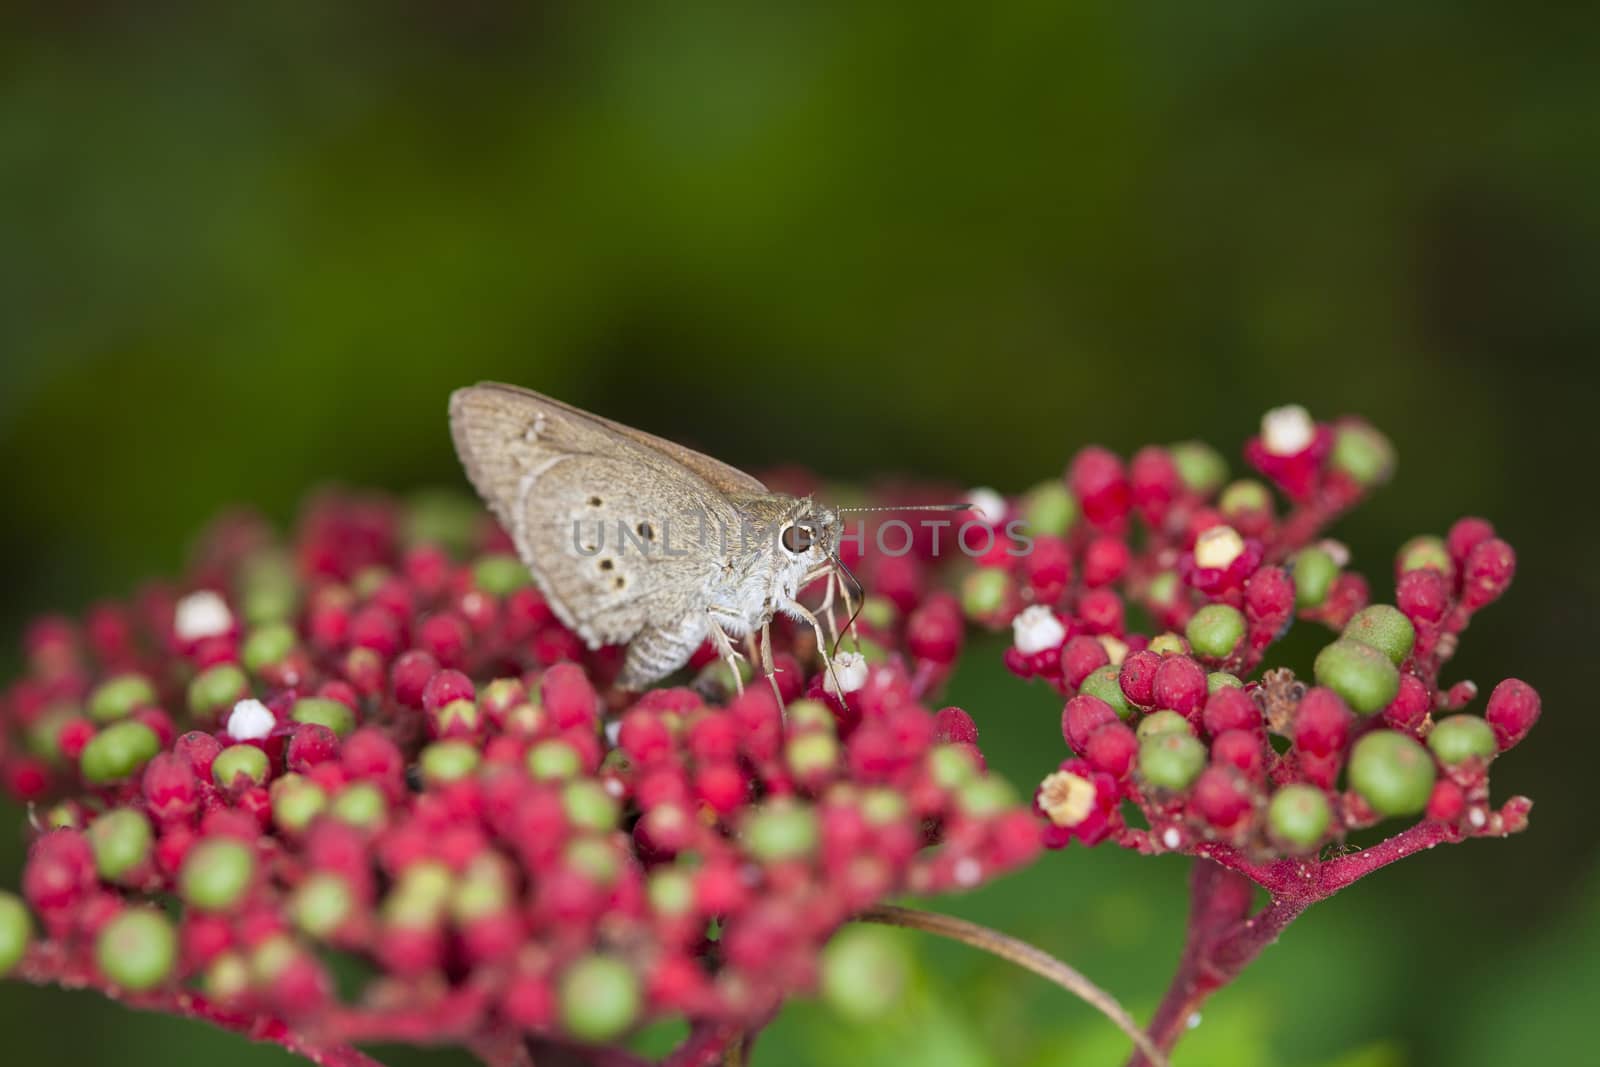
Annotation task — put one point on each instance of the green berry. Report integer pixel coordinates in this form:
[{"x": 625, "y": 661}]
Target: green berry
[
  {"x": 951, "y": 766},
  {"x": 267, "y": 644},
  {"x": 986, "y": 797},
  {"x": 1161, "y": 722},
  {"x": 237, "y": 760},
  {"x": 1363, "y": 453},
  {"x": 421, "y": 895},
  {"x": 217, "y": 687},
  {"x": 500, "y": 574},
  {"x": 16, "y": 930},
  {"x": 781, "y": 829},
  {"x": 807, "y": 715},
  {"x": 442, "y": 517},
  {"x": 1215, "y": 630},
  {"x": 361, "y": 804},
  {"x": 484, "y": 889},
  {"x": 1168, "y": 644},
  {"x": 118, "y": 751},
  {"x": 44, "y": 734},
  {"x": 883, "y": 806},
  {"x": 1426, "y": 551},
  {"x": 589, "y": 806},
  {"x": 321, "y": 711},
  {"x": 321, "y": 904},
  {"x": 1298, "y": 815},
  {"x": 1201, "y": 468},
  {"x": 1392, "y": 773},
  {"x": 137, "y": 949},
  {"x": 554, "y": 760},
  {"x": 216, "y": 873},
  {"x": 268, "y": 589},
  {"x": 599, "y": 998},
  {"x": 1162, "y": 588},
  {"x": 296, "y": 801},
  {"x": 810, "y": 754},
  {"x": 1361, "y": 674},
  {"x": 1171, "y": 759},
  {"x": 1049, "y": 508},
  {"x": 448, "y": 761},
  {"x": 671, "y": 891},
  {"x": 1222, "y": 680},
  {"x": 595, "y": 859},
  {"x": 1385, "y": 628},
  {"x": 864, "y": 972},
  {"x": 227, "y": 978},
  {"x": 120, "y": 696},
  {"x": 1459, "y": 738},
  {"x": 879, "y": 612},
  {"x": 1314, "y": 572},
  {"x": 1104, "y": 682},
  {"x": 984, "y": 592},
  {"x": 120, "y": 840},
  {"x": 1245, "y": 497}
]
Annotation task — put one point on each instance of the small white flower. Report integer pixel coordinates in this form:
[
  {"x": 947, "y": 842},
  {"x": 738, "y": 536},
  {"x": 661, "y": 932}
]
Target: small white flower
[
  {"x": 1217, "y": 548},
  {"x": 1037, "y": 629},
  {"x": 613, "y": 732},
  {"x": 1477, "y": 818},
  {"x": 1287, "y": 430},
  {"x": 1171, "y": 838},
  {"x": 1066, "y": 798},
  {"x": 250, "y": 720},
  {"x": 202, "y": 614},
  {"x": 968, "y": 872},
  {"x": 990, "y": 505},
  {"x": 850, "y": 668}
]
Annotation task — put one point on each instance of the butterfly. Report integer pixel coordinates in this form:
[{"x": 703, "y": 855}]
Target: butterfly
[{"x": 636, "y": 540}]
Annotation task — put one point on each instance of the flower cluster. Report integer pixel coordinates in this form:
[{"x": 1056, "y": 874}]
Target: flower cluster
[
  {"x": 1217, "y": 760},
  {"x": 394, "y": 799}
]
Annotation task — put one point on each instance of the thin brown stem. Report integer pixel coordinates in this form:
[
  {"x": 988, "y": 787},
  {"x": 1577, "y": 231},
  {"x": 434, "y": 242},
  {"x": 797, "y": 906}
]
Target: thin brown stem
[{"x": 1024, "y": 955}]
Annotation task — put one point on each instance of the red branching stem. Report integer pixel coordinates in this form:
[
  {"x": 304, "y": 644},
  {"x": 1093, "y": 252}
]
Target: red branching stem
[
  {"x": 45, "y": 964},
  {"x": 711, "y": 1044},
  {"x": 1223, "y": 937},
  {"x": 1340, "y": 872}
]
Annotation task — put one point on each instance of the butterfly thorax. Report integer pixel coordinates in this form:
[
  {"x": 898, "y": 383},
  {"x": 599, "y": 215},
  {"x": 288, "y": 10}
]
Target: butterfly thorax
[{"x": 785, "y": 540}]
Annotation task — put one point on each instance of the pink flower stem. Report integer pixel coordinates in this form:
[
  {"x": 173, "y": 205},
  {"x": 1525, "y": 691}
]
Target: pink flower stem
[{"x": 1223, "y": 937}]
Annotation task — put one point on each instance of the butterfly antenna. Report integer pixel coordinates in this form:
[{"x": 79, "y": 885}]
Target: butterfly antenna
[{"x": 910, "y": 507}]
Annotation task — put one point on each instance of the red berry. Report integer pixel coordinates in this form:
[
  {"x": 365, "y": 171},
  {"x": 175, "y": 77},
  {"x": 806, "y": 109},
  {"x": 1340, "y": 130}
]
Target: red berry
[
  {"x": 1112, "y": 748},
  {"x": 1179, "y": 685},
  {"x": 1512, "y": 710},
  {"x": 1137, "y": 677},
  {"x": 1230, "y": 708},
  {"x": 1321, "y": 723},
  {"x": 1097, "y": 480},
  {"x": 1082, "y": 716}
]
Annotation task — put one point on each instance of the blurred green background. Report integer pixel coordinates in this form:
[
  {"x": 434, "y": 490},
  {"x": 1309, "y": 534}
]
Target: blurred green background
[{"x": 249, "y": 252}]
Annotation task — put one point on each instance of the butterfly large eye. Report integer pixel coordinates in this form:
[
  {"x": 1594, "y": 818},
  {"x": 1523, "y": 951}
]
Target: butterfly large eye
[{"x": 796, "y": 539}]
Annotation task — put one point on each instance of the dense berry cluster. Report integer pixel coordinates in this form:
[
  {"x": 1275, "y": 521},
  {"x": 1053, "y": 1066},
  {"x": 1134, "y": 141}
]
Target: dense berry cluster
[
  {"x": 1178, "y": 722},
  {"x": 357, "y": 762}
]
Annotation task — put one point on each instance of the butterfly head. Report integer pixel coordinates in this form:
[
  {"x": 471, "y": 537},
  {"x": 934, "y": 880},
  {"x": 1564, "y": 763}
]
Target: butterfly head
[{"x": 808, "y": 537}]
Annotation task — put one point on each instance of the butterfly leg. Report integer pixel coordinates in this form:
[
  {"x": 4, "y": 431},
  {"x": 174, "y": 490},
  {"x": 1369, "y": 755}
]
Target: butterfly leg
[
  {"x": 826, "y": 610},
  {"x": 730, "y": 655},
  {"x": 766, "y": 661},
  {"x": 800, "y": 611}
]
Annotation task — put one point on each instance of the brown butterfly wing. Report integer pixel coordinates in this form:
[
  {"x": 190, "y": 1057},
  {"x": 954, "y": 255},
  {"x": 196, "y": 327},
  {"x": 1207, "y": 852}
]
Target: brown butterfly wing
[{"x": 556, "y": 477}]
